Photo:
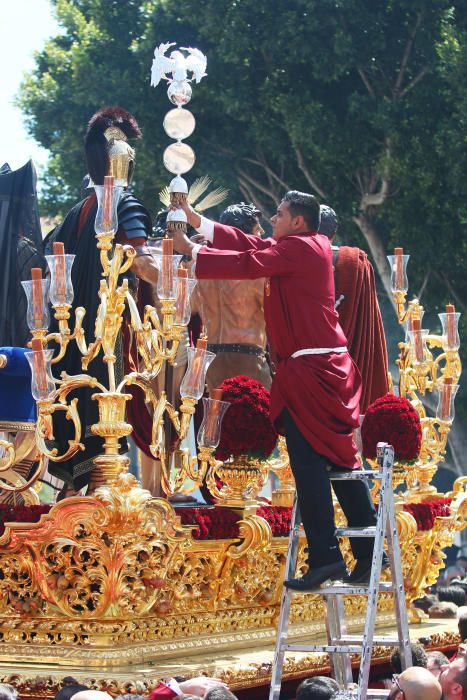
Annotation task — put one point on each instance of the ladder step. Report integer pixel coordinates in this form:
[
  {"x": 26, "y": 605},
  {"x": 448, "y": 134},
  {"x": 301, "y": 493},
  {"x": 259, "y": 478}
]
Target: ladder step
[
  {"x": 378, "y": 694},
  {"x": 382, "y": 640},
  {"x": 324, "y": 648},
  {"x": 344, "y": 589},
  {"x": 356, "y": 531},
  {"x": 350, "y": 644},
  {"x": 355, "y": 475}
]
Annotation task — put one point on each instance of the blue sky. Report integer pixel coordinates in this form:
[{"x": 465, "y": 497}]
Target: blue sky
[{"x": 25, "y": 25}]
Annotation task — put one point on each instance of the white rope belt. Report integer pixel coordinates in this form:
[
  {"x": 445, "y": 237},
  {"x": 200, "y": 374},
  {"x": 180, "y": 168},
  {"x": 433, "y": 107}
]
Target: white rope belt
[{"x": 318, "y": 351}]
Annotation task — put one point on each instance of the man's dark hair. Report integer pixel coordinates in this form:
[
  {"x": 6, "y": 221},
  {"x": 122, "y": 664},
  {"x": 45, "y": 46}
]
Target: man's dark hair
[
  {"x": 130, "y": 696},
  {"x": 317, "y": 688},
  {"x": 451, "y": 594},
  {"x": 243, "y": 216},
  {"x": 329, "y": 221},
  {"x": 69, "y": 680},
  {"x": 419, "y": 658},
  {"x": 70, "y": 689},
  {"x": 438, "y": 658},
  {"x": 425, "y": 602},
  {"x": 220, "y": 692},
  {"x": 306, "y": 205}
]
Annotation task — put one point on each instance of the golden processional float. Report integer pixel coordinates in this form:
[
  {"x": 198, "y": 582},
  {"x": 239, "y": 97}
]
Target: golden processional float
[{"x": 112, "y": 584}]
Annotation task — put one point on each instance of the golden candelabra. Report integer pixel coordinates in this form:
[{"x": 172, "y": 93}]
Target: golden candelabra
[
  {"x": 157, "y": 342},
  {"x": 423, "y": 372}
]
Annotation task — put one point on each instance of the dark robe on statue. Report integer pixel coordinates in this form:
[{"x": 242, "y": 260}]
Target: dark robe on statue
[
  {"x": 78, "y": 235},
  {"x": 360, "y": 318},
  {"x": 321, "y": 392},
  {"x": 20, "y": 249}
]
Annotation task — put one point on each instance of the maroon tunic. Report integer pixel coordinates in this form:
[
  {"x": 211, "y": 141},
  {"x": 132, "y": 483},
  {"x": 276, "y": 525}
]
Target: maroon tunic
[{"x": 321, "y": 392}]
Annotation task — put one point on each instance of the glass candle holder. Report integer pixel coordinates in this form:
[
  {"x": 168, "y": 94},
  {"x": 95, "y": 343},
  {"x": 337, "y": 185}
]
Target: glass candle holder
[
  {"x": 167, "y": 266},
  {"x": 108, "y": 196},
  {"x": 37, "y": 294},
  {"x": 42, "y": 382},
  {"x": 209, "y": 433},
  {"x": 61, "y": 287},
  {"x": 184, "y": 287},
  {"x": 193, "y": 382},
  {"x": 399, "y": 279},
  {"x": 408, "y": 324},
  {"x": 446, "y": 394},
  {"x": 450, "y": 323},
  {"x": 418, "y": 346}
]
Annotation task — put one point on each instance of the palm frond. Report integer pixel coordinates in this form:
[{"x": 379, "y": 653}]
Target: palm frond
[
  {"x": 164, "y": 196},
  {"x": 212, "y": 199},
  {"x": 198, "y": 188}
]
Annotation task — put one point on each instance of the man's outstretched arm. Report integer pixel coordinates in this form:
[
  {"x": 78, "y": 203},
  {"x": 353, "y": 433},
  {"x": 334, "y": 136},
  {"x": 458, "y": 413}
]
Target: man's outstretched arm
[{"x": 224, "y": 237}]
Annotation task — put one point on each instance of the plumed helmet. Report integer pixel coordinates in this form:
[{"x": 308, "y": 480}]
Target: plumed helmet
[
  {"x": 329, "y": 221},
  {"x": 106, "y": 146}
]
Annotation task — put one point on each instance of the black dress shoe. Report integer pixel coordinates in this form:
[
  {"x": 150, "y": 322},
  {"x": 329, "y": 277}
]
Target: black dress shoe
[
  {"x": 315, "y": 577},
  {"x": 362, "y": 571}
]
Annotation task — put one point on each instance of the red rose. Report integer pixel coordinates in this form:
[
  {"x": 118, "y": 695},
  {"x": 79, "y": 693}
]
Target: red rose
[
  {"x": 246, "y": 428},
  {"x": 394, "y": 420}
]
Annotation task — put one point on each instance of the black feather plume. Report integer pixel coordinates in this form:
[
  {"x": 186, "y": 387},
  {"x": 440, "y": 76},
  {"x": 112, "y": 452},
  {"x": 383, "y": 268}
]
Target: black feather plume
[{"x": 95, "y": 143}]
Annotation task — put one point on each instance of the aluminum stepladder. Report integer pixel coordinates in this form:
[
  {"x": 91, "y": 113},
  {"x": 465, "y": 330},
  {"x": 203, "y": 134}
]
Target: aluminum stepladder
[{"x": 341, "y": 645}]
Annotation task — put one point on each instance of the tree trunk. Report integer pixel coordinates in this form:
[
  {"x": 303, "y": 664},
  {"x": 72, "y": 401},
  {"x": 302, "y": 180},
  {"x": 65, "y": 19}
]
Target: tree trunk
[{"x": 377, "y": 250}]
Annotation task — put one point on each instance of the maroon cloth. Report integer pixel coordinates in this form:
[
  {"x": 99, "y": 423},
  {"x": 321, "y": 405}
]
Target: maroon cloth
[
  {"x": 360, "y": 318},
  {"x": 162, "y": 692},
  {"x": 321, "y": 392}
]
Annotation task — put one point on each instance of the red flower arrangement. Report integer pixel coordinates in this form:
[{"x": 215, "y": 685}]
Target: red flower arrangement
[
  {"x": 212, "y": 523},
  {"x": 426, "y": 512},
  {"x": 21, "y": 514},
  {"x": 394, "y": 420},
  {"x": 222, "y": 523},
  {"x": 246, "y": 428}
]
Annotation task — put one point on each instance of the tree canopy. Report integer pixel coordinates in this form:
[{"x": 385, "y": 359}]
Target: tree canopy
[{"x": 361, "y": 102}]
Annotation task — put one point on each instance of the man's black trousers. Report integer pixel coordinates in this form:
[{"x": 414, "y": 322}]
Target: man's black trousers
[{"x": 311, "y": 472}]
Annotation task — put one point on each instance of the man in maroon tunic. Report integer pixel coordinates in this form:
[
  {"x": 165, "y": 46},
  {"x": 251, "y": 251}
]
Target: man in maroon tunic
[{"x": 316, "y": 390}]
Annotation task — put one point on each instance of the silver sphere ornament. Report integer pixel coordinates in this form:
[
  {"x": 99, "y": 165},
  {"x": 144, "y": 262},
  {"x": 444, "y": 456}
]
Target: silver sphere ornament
[
  {"x": 179, "y": 93},
  {"x": 179, "y": 158}
]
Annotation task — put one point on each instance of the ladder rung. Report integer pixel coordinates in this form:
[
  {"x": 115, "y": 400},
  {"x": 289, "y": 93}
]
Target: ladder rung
[
  {"x": 344, "y": 589},
  {"x": 356, "y": 531},
  {"x": 355, "y": 475},
  {"x": 378, "y": 640},
  {"x": 325, "y": 648},
  {"x": 379, "y": 694}
]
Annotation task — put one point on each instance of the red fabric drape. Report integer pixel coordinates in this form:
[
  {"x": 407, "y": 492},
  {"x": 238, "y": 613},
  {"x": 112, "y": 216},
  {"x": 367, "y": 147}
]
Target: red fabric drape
[{"x": 360, "y": 318}]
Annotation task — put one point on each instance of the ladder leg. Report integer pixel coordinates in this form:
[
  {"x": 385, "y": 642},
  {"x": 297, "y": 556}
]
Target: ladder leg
[
  {"x": 398, "y": 583},
  {"x": 286, "y": 600},
  {"x": 336, "y": 628},
  {"x": 373, "y": 588}
]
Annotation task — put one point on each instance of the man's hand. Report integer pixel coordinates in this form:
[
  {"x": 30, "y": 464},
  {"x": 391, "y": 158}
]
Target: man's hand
[
  {"x": 193, "y": 218},
  {"x": 200, "y": 238},
  {"x": 182, "y": 243},
  {"x": 200, "y": 686}
]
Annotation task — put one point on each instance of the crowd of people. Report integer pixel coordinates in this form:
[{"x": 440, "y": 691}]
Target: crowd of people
[{"x": 433, "y": 676}]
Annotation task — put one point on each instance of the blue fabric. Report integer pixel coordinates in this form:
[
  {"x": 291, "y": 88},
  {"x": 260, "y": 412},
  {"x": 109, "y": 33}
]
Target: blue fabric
[{"x": 16, "y": 402}]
